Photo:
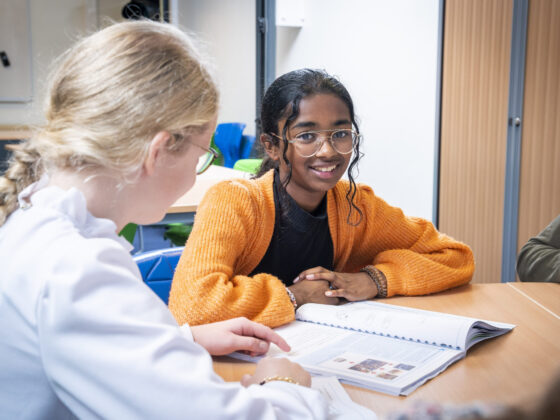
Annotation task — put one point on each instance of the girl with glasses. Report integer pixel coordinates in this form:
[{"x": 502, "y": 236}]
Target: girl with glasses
[
  {"x": 298, "y": 233},
  {"x": 130, "y": 114}
]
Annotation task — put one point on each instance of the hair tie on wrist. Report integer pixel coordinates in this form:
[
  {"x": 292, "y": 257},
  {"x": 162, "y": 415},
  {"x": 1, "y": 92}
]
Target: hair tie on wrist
[
  {"x": 279, "y": 378},
  {"x": 378, "y": 278}
]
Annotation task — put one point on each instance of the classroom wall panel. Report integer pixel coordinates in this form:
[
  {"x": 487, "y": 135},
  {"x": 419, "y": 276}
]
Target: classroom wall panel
[
  {"x": 15, "y": 46},
  {"x": 227, "y": 31},
  {"x": 55, "y": 24},
  {"x": 386, "y": 54},
  {"x": 476, "y": 61},
  {"x": 539, "y": 194}
]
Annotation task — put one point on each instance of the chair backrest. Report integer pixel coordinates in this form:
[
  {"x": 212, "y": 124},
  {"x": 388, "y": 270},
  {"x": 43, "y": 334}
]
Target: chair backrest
[
  {"x": 247, "y": 142},
  {"x": 228, "y": 139},
  {"x": 157, "y": 269},
  {"x": 248, "y": 165}
]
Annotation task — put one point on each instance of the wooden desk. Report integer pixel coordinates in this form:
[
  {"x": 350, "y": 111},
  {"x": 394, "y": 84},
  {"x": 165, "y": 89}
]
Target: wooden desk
[
  {"x": 188, "y": 203},
  {"x": 183, "y": 210},
  {"x": 14, "y": 133},
  {"x": 545, "y": 294},
  {"x": 514, "y": 369}
]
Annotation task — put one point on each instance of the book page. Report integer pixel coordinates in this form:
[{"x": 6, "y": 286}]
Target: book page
[
  {"x": 428, "y": 327},
  {"x": 387, "y": 348},
  {"x": 381, "y": 363},
  {"x": 482, "y": 330}
]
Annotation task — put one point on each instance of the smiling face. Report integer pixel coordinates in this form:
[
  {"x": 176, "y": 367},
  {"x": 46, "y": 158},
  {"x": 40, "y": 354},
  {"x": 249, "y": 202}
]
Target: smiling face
[{"x": 313, "y": 176}]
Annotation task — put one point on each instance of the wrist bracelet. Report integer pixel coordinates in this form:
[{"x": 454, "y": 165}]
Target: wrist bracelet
[
  {"x": 378, "y": 278},
  {"x": 279, "y": 378},
  {"x": 292, "y": 298}
]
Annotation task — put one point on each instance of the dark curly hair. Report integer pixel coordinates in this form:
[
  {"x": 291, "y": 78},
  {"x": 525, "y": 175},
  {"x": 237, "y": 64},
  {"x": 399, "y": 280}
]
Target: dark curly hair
[{"x": 282, "y": 100}]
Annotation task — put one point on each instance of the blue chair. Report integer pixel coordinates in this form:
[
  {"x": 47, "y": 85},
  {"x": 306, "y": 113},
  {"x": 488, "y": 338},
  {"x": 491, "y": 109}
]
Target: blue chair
[
  {"x": 228, "y": 138},
  {"x": 157, "y": 268},
  {"x": 247, "y": 142}
]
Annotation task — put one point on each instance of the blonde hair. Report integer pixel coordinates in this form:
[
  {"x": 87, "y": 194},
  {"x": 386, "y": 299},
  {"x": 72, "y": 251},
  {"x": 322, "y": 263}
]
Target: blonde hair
[{"x": 108, "y": 96}]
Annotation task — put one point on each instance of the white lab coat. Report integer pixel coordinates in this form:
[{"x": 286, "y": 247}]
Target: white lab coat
[{"x": 82, "y": 336}]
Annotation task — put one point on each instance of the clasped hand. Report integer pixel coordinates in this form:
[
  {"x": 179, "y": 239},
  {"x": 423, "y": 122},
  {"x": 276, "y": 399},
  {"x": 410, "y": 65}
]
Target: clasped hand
[{"x": 350, "y": 286}]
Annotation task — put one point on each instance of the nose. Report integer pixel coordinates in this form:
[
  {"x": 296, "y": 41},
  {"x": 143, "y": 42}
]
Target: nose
[{"x": 326, "y": 149}]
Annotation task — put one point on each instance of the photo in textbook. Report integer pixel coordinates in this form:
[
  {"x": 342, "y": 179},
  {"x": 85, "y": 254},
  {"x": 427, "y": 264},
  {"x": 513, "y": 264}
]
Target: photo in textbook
[{"x": 387, "y": 348}]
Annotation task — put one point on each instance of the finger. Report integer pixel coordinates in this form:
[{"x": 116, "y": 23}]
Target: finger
[
  {"x": 304, "y": 273},
  {"x": 336, "y": 293},
  {"x": 253, "y": 345},
  {"x": 254, "y": 329},
  {"x": 342, "y": 294},
  {"x": 246, "y": 380},
  {"x": 329, "y": 276}
]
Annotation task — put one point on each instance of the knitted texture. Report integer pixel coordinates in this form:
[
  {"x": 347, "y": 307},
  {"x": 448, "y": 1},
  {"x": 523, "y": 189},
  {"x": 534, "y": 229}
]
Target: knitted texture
[{"x": 233, "y": 228}]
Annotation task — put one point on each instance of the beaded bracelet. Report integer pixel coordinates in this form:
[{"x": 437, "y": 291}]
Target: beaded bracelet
[
  {"x": 378, "y": 278},
  {"x": 279, "y": 378},
  {"x": 292, "y": 298}
]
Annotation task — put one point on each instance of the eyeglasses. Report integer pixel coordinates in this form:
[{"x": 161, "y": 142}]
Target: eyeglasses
[
  {"x": 308, "y": 143},
  {"x": 206, "y": 159}
]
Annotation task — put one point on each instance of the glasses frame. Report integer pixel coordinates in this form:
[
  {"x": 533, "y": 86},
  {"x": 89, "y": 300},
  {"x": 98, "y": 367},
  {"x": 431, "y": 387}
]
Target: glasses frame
[
  {"x": 211, "y": 156},
  {"x": 355, "y": 139}
]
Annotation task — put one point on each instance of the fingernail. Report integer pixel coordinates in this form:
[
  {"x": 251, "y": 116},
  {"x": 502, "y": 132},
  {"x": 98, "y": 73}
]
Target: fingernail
[
  {"x": 310, "y": 276},
  {"x": 262, "y": 345},
  {"x": 296, "y": 279},
  {"x": 328, "y": 293}
]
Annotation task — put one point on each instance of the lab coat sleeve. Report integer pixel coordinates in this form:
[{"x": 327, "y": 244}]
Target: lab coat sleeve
[{"x": 111, "y": 349}]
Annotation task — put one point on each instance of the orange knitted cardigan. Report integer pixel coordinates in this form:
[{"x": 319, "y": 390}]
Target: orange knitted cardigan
[{"x": 233, "y": 228}]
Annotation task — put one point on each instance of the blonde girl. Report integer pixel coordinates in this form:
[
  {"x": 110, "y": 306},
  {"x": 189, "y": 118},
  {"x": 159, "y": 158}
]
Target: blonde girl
[{"x": 129, "y": 117}]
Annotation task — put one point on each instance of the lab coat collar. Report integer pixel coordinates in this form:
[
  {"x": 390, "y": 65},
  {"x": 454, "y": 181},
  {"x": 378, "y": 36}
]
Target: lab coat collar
[{"x": 71, "y": 203}]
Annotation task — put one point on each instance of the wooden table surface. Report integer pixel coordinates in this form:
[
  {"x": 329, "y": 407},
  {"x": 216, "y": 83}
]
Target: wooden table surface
[
  {"x": 514, "y": 369},
  {"x": 188, "y": 203},
  {"x": 545, "y": 294},
  {"x": 8, "y": 132}
]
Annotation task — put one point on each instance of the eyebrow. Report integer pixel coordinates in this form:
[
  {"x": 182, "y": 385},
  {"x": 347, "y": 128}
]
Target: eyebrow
[{"x": 311, "y": 124}]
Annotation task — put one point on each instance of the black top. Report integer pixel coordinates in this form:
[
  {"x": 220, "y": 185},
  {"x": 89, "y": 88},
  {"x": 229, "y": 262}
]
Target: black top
[{"x": 300, "y": 241}]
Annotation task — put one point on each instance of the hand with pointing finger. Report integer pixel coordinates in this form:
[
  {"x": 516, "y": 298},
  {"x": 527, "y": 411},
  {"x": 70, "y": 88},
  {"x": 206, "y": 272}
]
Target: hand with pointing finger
[{"x": 238, "y": 334}]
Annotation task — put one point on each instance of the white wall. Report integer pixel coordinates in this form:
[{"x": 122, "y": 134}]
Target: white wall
[
  {"x": 54, "y": 26},
  {"x": 109, "y": 10},
  {"x": 227, "y": 27},
  {"x": 385, "y": 52}
]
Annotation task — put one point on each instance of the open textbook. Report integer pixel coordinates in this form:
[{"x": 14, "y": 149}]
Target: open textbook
[{"x": 387, "y": 348}]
